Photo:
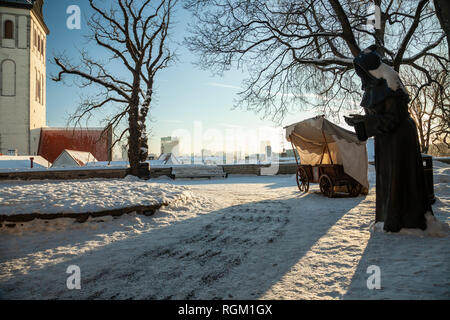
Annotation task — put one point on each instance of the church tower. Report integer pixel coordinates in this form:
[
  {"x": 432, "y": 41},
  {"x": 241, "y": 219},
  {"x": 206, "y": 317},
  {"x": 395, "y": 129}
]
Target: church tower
[{"x": 23, "y": 35}]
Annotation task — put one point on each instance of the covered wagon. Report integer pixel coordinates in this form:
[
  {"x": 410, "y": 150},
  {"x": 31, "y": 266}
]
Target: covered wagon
[{"x": 328, "y": 155}]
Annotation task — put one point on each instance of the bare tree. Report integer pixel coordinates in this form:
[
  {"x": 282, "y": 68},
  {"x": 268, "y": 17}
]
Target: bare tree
[
  {"x": 442, "y": 8},
  {"x": 300, "y": 52},
  {"x": 431, "y": 107},
  {"x": 133, "y": 34}
]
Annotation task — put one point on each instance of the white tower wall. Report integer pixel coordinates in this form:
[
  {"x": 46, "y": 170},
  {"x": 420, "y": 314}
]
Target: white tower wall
[{"x": 22, "y": 81}]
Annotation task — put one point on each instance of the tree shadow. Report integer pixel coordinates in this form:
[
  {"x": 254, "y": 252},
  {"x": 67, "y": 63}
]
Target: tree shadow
[
  {"x": 238, "y": 252},
  {"x": 60, "y": 232}
]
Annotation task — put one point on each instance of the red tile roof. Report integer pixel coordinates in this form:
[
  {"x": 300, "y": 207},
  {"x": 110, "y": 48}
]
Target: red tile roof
[{"x": 54, "y": 141}]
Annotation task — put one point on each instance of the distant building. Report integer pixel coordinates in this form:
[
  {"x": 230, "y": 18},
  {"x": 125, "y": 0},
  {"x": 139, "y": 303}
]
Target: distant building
[
  {"x": 268, "y": 152},
  {"x": 23, "y": 37},
  {"x": 170, "y": 145},
  {"x": 264, "y": 144},
  {"x": 265, "y": 151},
  {"x": 206, "y": 154}
]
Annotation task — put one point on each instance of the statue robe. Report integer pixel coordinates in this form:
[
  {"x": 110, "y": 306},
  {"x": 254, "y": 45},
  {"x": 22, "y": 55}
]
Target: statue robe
[{"x": 401, "y": 194}]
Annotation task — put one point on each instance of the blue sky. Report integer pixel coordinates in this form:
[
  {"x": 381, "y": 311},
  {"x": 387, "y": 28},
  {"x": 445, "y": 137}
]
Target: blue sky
[{"x": 189, "y": 102}]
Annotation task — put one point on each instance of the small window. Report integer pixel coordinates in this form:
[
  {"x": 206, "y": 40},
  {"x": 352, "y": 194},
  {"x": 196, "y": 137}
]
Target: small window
[
  {"x": 38, "y": 87},
  {"x": 8, "y": 78},
  {"x": 9, "y": 29},
  {"x": 41, "y": 83}
]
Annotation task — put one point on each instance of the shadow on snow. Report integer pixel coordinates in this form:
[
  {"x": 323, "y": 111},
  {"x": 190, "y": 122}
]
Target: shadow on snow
[{"x": 238, "y": 252}]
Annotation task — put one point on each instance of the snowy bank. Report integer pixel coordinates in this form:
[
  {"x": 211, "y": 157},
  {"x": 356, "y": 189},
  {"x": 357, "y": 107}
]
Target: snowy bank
[{"x": 81, "y": 196}]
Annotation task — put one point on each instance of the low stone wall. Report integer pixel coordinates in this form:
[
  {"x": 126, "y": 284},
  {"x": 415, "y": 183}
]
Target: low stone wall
[
  {"x": 120, "y": 173},
  {"x": 241, "y": 168},
  {"x": 287, "y": 168},
  {"x": 255, "y": 169},
  {"x": 159, "y": 172},
  {"x": 65, "y": 174}
]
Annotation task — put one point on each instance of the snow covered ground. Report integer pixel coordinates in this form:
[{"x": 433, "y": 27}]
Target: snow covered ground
[{"x": 244, "y": 237}]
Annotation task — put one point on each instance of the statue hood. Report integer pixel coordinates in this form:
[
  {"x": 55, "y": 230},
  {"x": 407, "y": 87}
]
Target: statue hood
[{"x": 378, "y": 79}]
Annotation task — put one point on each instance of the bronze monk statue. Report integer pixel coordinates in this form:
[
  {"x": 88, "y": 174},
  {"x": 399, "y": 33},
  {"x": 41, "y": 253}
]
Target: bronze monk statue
[{"x": 401, "y": 196}]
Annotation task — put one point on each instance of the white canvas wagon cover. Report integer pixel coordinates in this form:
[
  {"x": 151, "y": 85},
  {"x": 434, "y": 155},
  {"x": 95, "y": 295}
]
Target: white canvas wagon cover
[{"x": 311, "y": 138}]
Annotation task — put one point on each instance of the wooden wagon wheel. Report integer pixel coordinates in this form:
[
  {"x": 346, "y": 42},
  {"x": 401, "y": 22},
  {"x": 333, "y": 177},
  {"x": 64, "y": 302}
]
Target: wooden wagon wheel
[
  {"x": 326, "y": 186},
  {"x": 302, "y": 180},
  {"x": 354, "y": 189}
]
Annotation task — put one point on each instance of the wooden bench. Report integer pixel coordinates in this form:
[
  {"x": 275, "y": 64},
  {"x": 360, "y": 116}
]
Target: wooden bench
[{"x": 200, "y": 171}]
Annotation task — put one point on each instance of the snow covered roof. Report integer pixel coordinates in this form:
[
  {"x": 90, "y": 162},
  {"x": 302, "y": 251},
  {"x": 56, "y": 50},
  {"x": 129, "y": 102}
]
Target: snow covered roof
[
  {"x": 167, "y": 158},
  {"x": 73, "y": 158},
  {"x": 54, "y": 141},
  {"x": 22, "y": 162}
]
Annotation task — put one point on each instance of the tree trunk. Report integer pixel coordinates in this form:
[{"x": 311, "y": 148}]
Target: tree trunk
[
  {"x": 143, "y": 152},
  {"x": 442, "y": 8},
  {"x": 134, "y": 138}
]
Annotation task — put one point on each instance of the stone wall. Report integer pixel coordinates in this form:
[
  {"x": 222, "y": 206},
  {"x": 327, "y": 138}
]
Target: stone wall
[
  {"x": 64, "y": 174},
  {"x": 283, "y": 168},
  {"x": 245, "y": 169},
  {"x": 253, "y": 169}
]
